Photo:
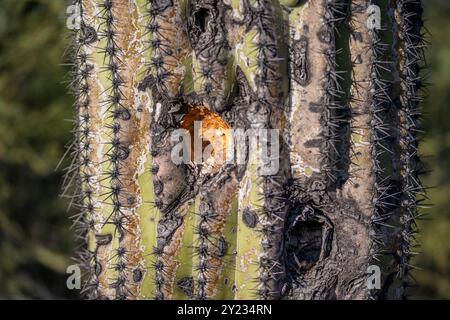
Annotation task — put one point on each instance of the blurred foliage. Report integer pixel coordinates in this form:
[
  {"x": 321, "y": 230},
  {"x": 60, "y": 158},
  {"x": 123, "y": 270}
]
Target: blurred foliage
[
  {"x": 433, "y": 263},
  {"x": 35, "y": 238}
]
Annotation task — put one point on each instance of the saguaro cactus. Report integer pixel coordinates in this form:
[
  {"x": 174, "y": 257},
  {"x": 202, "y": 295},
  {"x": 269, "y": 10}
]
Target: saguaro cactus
[{"x": 318, "y": 101}]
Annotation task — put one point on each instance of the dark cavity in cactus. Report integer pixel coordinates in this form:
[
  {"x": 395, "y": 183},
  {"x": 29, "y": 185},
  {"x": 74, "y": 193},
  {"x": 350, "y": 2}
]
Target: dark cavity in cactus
[{"x": 344, "y": 96}]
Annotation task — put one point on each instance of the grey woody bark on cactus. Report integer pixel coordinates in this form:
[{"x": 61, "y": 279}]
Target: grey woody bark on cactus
[{"x": 335, "y": 83}]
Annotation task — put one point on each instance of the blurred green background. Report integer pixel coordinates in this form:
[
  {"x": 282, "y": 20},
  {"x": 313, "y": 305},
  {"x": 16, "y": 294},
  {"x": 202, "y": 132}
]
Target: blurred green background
[{"x": 35, "y": 111}]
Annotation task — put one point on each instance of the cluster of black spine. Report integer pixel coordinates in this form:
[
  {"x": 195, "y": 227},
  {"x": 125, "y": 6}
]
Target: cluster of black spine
[
  {"x": 117, "y": 151},
  {"x": 412, "y": 45}
]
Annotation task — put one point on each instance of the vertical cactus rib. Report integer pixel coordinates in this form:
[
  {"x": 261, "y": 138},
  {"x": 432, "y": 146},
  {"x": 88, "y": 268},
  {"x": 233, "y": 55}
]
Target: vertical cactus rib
[
  {"x": 271, "y": 62},
  {"x": 175, "y": 189},
  {"x": 170, "y": 243},
  {"x": 184, "y": 283},
  {"x": 149, "y": 216},
  {"x": 362, "y": 168},
  {"x": 408, "y": 15},
  {"x": 361, "y": 69},
  {"x": 173, "y": 185},
  {"x": 335, "y": 113},
  {"x": 226, "y": 279},
  {"x": 383, "y": 199},
  {"x": 385, "y": 195},
  {"x": 259, "y": 271},
  {"x": 174, "y": 193},
  {"x": 218, "y": 184},
  {"x": 321, "y": 210},
  {"x": 127, "y": 118},
  {"x": 80, "y": 173},
  {"x": 271, "y": 94},
  {"x": 249, "y": 249},
  {"x": 213, "y": 66},
  {"x": 369, "y": 98},
  {"x": 369, "y": 182},
  {"x": 170, "y": 45},
  {"x": 314, "y": 115},
  {"x": 149, "y": 213},
  {"x": 91, "y": 143},
  {"x": 212, "y": 246}
]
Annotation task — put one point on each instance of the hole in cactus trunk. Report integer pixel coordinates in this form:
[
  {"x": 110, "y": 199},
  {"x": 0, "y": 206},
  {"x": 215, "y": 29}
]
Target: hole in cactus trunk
[
  {"x": 308, "y": 238},
  {"x": 199, "y": 22},
  {"x": 304, "y": 244},
  {"x": 201, "y": 17},
  {"x": 205, "y": 25},
  {"x": 210, "y": 138}
]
